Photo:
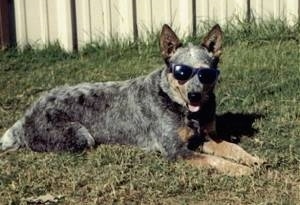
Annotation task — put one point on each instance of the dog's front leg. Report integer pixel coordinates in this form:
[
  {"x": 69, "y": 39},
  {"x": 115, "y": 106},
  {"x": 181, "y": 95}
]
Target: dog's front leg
[
  {"x": 222, "y": 148},
  {"x": 230, "y": 151},
  {"x": 222, "y": 165},
  {"x": 207, "y": 161}
]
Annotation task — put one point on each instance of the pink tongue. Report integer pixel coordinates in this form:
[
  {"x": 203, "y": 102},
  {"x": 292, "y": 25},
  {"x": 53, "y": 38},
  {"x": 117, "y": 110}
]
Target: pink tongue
[{"x": 194, "y": 108}]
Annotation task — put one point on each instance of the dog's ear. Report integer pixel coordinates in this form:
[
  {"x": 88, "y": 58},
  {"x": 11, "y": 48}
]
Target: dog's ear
[
  {"x": 213, "y": 40},
  {"x": 169, "y": 42}
]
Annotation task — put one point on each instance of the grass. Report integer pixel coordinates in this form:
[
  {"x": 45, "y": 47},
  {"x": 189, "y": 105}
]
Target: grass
[{"x": 260, "y": 74}]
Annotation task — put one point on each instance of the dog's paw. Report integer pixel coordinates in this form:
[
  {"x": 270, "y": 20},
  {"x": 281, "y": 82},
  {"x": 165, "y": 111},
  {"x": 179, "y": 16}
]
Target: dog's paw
[
  {"x": 91, "y": 141},
  {"x": 224, "y": 166},
  {"x": 254, "y": 161},
  {"x": 8, "y": 141},
  {"x": 239, "y": 170}
]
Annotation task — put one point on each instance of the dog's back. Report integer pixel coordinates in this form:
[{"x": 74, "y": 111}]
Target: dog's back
[{"x": 88, "y": 114}]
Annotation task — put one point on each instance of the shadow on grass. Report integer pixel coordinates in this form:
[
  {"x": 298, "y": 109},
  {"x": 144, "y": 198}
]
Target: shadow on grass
[
  {"x": 230, "y": 127},
  {"x": 233, "y": 126}
]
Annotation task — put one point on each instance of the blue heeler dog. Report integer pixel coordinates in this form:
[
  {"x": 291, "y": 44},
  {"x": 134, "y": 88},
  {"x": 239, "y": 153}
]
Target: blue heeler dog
[{"x": 170, "y": 110}]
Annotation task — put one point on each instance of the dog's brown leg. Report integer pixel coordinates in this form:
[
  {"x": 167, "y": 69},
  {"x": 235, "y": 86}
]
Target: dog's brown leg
[
  {"x": 218, "y": 163},
  {"x": 230, "y": 151},
  {"x": 185, "y": 133}
]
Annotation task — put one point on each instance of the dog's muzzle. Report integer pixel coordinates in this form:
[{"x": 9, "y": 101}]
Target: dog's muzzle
[{"x": 195, "y": 99}]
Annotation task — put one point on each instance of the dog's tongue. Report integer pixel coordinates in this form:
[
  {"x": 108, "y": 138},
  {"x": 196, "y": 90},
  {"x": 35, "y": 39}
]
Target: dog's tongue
[{"x": 194, "y": 108}]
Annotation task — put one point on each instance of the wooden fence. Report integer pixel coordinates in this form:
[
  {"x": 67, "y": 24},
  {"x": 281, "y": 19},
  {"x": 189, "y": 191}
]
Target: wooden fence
[{"x": 73, "y": 23}]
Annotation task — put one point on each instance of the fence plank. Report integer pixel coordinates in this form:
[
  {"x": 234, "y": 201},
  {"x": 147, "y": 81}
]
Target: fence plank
[
  {"x": 268, "y": 9},
  {"x": 52, "y": 20},
  {"x": 144, "y": 18},
  {"x": 21, "y": 28},
  {"x": 83, "y": 19},
  {"x": 124, "y": 17},
  {"x": 96, "y": 20},
  {"x": 33, "y": 22},
  {"x": 64, "y": 23},
  {"x": 4, "y": 24},
  {"x": 283, "y": 9},
  {"x": 44, "y": 21},
  {"x": 182, "y": 16},
  {"x": 41, "y": 22},
  {"x": 220, "y": 11},
  {"x": 151, "y": 15},
  {"x": 292, "y": 11},
  {"x": 104, "y": 20}
]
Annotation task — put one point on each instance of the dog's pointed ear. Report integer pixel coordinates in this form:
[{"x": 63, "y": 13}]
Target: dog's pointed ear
[
  {"x": 213, "y": 40},
  {"x": 169, "y": 42}
]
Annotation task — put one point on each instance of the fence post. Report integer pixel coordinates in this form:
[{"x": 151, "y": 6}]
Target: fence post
[{"x": 4, "y": 24}]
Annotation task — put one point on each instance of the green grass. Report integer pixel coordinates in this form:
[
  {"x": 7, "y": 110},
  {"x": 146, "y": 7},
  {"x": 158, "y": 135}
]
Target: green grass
[{"x": 260, "y": 73}]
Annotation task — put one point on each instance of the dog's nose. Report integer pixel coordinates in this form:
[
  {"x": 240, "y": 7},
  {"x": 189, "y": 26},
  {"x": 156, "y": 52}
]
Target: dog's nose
[{"x": 194, "y": 97}]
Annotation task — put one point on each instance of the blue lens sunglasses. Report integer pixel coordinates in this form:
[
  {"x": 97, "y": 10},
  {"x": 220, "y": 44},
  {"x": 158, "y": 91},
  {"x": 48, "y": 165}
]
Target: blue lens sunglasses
[{"x": 183, "y": 73}]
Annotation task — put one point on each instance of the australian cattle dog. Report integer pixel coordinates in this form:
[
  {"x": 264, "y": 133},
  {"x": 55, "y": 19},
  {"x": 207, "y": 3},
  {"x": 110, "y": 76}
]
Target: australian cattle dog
[{"x": 169, "y": 110}]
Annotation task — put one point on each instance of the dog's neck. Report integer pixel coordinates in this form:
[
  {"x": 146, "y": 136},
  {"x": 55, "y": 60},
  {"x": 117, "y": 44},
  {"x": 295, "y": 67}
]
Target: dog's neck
[
  {"x": 170, "y": 104},
  {"x": 166, "y": 95}
]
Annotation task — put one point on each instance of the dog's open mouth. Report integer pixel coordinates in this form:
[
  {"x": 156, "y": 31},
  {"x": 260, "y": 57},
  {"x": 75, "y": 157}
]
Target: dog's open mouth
[{"x": 194, "y": 107}]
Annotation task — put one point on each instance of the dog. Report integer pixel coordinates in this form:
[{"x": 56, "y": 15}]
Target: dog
[{"x": 171, "y": 110}]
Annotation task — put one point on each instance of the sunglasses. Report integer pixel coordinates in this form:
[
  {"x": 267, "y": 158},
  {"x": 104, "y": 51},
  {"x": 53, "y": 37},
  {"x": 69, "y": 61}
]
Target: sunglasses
[{"x": 183, "y": 73}]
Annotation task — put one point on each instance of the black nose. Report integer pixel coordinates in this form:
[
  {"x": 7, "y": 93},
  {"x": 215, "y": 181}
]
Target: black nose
[{"x": 194, "y": 97}]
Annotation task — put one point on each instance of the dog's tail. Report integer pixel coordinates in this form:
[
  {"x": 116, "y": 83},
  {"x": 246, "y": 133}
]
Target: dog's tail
[{"x": 13, "y": 138}]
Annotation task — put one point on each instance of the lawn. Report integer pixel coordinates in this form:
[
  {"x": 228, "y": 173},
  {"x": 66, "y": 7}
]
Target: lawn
[{"x": 258, "y": 105}]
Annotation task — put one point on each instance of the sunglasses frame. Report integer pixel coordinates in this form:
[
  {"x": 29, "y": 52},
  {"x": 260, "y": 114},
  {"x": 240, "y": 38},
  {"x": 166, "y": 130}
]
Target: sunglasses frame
[{"x": 195, "y": 71}]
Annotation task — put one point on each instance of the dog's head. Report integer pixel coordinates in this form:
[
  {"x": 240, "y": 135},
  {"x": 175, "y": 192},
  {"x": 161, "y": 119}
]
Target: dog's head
[{"x": 192, "y": 70}]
